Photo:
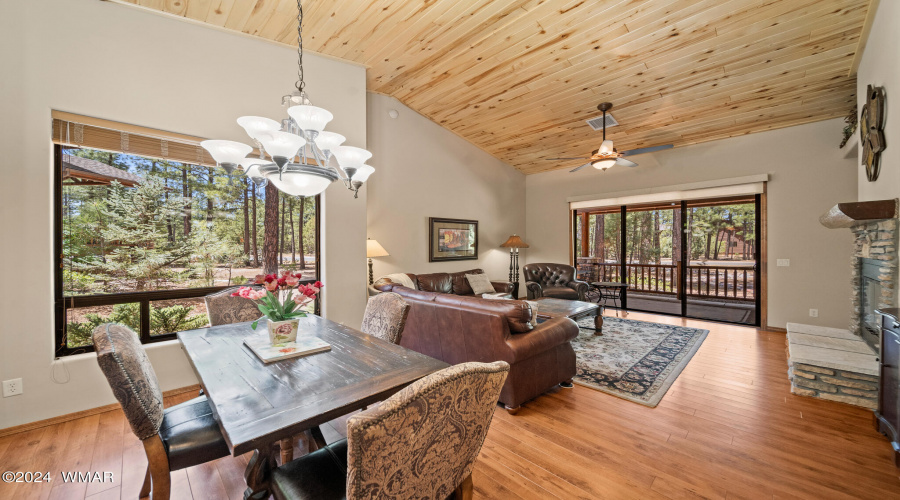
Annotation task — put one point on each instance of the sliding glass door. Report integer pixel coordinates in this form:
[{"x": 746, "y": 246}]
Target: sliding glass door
[{"x": 695, "y": 258}]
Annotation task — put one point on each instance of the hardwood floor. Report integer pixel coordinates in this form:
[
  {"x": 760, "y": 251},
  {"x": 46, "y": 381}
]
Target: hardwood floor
[{"x": 728, "y": 428}]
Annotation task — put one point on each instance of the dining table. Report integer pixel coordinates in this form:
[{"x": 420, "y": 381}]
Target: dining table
[{"x": 259, "y": 406}]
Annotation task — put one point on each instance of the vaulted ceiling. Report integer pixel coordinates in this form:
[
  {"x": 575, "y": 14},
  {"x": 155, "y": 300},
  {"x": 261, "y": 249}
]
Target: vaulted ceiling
[{"x": 518, "y": 78}]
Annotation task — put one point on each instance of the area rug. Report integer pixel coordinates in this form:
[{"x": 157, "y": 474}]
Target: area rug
[{"x": 634, "y": 360}]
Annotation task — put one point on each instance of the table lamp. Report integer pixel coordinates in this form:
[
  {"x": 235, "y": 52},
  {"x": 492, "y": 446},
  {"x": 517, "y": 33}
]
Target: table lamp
[
  {"x": 374, "y": 249},
  {"x": 514, "y": 243}
]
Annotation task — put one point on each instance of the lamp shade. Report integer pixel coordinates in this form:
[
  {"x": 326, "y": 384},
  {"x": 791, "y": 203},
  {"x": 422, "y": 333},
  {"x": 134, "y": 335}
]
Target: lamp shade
[
  {"x": 362, "y": 173},
  {"x": 283, "y": 144},
  {"x": 310, "y": 117},
  {"x": 299, "y": 183},
  {"x": 327, "y": 141},
  {"x": 604, "y": 164},
  {"x": 374, "y": 249},
  {"x": 351, "y": 157},
  {"x": 514, "y": 241},
  {"x": 226, "y": 151},
  {"x": 256, "y": 125}
]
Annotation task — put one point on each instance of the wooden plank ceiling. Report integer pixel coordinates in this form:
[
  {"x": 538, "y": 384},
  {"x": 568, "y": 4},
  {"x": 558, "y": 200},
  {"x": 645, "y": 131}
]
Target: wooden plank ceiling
[{"x": 518, "y": 78}]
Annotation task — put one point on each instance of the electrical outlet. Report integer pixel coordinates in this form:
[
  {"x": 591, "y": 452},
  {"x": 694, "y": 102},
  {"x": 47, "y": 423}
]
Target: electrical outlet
[
  {"x": 813, "y": 313},
  {"x": 784, "y": 262},
  {"x": 12, "y": 387}
]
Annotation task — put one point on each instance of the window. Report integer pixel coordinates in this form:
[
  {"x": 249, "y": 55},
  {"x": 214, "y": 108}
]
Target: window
[{"x": 141, "y": 238}]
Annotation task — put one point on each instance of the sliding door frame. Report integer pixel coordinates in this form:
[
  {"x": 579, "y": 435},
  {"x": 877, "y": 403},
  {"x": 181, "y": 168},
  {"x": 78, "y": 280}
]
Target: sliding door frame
[{"x": 759, "y": 272}]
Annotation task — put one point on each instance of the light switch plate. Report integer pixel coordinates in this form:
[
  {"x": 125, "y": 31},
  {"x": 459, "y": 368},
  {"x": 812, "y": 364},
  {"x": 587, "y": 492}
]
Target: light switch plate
[
  {"x": 12, "y": 387},
  {"x": 784, "y": 262},
  {"x": 813, "y": 313}
]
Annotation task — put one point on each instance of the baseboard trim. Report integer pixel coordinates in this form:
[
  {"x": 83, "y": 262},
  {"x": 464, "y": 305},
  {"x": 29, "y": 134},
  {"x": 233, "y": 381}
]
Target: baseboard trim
[
  {"x": 83, "y": 413},
  {"x": 776, "y": 329}
]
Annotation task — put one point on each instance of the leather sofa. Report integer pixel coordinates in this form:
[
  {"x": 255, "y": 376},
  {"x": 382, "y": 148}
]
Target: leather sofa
[
  {"x": 457, "y": 329},
  {"x": 452, "y": 283},
  {"x": 553, "y": 280}
]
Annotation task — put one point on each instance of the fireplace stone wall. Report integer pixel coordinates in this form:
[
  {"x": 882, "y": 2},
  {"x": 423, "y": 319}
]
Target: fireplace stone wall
[{"x": 876, "y": 241}]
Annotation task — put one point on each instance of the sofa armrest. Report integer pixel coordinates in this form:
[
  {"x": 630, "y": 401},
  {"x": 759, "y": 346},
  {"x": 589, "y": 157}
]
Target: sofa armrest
[
  {"x": 534, "y": 290},
  {"x": 579, "y": 286},
  {"x": 545, "y": 336},
  {"x": 502, "y": 286}
]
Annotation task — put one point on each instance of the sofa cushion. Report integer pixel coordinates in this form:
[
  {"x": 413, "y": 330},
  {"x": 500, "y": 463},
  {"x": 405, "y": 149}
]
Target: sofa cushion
[
  {"x": 460, "y": 284},
  {"x": 560, "y": 292},
  {"x": 480, "y": 283},
  {"x": 435, "y": 282},
  {"x": 414, "y": 294}
]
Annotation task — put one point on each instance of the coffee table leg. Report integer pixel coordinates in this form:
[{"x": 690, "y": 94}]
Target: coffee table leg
[
  {"x": 259, "y": 473},
  {"x": 598, "y": 323}
]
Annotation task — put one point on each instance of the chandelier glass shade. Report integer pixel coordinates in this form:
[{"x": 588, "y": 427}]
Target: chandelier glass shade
[
  {"x": 299, "y": 148},
  {"x": 604, "y": 164}
]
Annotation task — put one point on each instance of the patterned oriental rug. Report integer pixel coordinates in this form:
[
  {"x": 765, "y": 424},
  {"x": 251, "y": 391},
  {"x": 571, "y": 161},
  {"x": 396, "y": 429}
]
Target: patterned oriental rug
[{"x": 634, "y": 360}]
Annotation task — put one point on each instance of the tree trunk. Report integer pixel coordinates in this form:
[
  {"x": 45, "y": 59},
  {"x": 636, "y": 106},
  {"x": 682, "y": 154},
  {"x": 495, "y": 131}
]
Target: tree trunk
[
  {"x": 186, "y": 192},
  {"x": 656, "y": 231},
  {"x": 598, "y": 237},
  {"x": 209, "y": 201},
  {"x": 270, "y": 232},
  {"x": 253, "y": 229},
  {"x": 300, "y": 233},
  {"x": 246, "y": 219},
  {"x": 291, "y": 224},
  {"x": 708, "y": 242},
  {"x": 281, "y": 232}
]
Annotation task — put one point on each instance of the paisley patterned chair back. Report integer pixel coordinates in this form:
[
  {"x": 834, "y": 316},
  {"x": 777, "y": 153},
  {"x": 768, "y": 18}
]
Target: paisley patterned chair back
[
  {"x": 130, "y": 375},
  {"x": 223, "y": 309},
  {"x": 385, "y": 317},
  {"x": 423, "y": 441}
]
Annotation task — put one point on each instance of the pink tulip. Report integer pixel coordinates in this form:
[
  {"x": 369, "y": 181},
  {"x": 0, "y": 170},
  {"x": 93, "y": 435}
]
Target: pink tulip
[
  {"x": 256, "y": 294},
  {"x": 271, "y": 286},
  {"x": 292, "y": 281},
  {"x": 301, "y": 300},
  {"x": 259, "y": 279}
]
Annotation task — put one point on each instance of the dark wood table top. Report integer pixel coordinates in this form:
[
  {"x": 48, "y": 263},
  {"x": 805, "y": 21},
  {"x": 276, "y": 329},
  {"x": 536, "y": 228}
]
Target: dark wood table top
[
  {"x": 549, "y": 308},
  {"x": 610, "y": 284},
  {"x": 257, "y": 404}
]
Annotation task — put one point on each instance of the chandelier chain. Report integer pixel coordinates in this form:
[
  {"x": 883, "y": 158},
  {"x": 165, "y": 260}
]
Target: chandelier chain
[{"x": 300, "y": 83}]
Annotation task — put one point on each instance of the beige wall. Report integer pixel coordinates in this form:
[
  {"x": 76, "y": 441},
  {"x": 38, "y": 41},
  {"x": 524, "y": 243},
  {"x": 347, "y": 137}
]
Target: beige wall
[
  {"x": 120, "y": 63},
  {"x": 880, "y": 66},
  {"x": 807, "y": 176},
  {"x": 424, "y": 170}
]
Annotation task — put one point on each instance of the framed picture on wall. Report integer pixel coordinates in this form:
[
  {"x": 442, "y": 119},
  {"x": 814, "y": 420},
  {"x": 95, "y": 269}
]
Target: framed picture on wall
[{"x": 452, "y": 239}]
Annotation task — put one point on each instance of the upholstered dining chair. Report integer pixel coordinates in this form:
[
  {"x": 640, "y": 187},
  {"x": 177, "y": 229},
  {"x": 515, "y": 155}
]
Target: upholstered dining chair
[
  {"x": 385, "y": 317},
  {"x": 223, "y": 309},
  {"x": 174, "y": 438},
  {"x": 420, "y": 443}
]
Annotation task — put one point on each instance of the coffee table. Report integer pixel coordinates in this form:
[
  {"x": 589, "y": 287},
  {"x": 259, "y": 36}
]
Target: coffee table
[{"x": 573, "y": 309}]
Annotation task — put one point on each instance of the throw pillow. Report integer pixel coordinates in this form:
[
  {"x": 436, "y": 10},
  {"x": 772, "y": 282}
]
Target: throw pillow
[{"x": 480, "y": 284}]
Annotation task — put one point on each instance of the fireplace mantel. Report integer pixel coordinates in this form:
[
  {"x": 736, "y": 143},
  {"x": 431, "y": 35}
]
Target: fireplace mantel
[{"x": 845, "y": 215}]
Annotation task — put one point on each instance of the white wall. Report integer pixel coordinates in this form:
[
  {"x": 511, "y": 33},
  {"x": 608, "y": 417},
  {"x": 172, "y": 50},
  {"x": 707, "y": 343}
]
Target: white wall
[
  {"x": 880, "y": 66},
  {"x": 424, "y": 170},
  {"x": 119, "y": 63},
  {"x": 807, "y": 176}
]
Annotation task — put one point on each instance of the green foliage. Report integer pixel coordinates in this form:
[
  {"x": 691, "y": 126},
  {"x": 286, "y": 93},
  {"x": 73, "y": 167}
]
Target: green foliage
[
  {"x": 163, "y": 320},
  {"x": 239, "y": 280},
  {"x": 77, "y": 283}
]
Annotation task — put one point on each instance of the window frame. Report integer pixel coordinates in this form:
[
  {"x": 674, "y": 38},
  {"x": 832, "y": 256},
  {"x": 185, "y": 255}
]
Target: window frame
[{"x": 61, "y": 303}]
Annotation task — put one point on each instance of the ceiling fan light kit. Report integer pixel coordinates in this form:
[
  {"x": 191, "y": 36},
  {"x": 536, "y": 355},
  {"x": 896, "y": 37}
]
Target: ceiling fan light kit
[
  {"x": 298, "y": 147},
  {"x": 606, "y": 156}
]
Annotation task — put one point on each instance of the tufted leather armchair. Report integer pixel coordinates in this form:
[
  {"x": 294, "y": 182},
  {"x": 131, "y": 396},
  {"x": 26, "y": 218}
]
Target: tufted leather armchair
[{"x": 553, "y": 280}]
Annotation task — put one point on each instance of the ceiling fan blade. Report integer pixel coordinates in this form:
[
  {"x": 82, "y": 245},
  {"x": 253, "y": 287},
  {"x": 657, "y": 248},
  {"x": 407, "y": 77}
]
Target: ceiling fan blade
[
  {"x": 625, "y": 163},
  {"x": 573, "y": 158},
  {"x": 576, "y": 169},
  {"x": 651, "y": 149}
]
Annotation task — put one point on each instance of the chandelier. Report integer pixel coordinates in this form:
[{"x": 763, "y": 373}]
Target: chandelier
[{"x": 299, "y": 149}]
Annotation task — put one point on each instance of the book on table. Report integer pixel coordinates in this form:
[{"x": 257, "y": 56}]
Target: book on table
[{"x": 268, "y": 352}]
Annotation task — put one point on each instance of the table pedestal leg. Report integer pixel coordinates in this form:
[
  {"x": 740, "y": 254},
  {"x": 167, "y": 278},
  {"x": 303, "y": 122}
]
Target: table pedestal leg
[
  {"x": 598, "y": 324},
  {"x": 259, "y": 473},
  {"x": 287, "y": 450}
]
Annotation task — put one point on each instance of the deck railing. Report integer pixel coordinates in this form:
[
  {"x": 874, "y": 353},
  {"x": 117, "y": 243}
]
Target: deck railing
[{"x": 720, "y": 281}]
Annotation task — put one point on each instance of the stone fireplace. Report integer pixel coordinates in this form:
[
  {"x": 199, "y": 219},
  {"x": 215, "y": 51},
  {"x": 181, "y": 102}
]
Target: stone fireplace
[{"x": 842, "y": 365}]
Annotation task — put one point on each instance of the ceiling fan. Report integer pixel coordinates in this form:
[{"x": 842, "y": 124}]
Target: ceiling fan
[{"x": 607, "y": 156}]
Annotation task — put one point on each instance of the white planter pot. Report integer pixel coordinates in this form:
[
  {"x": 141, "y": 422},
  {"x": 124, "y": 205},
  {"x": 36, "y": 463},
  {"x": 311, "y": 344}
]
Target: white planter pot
[{"x": 282, "y": 331}]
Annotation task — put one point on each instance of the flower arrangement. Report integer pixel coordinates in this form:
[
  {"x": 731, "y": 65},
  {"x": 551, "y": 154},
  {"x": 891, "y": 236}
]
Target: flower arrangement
[{"x": 286, "y": 305}]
